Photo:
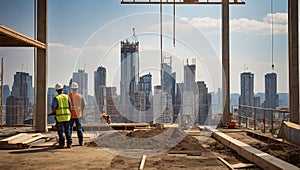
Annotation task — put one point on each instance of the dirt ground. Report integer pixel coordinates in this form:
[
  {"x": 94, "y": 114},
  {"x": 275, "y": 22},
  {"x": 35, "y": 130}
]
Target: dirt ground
[
  {"x": 187, "y": 153},
  {"x": 288, "y": 153}
]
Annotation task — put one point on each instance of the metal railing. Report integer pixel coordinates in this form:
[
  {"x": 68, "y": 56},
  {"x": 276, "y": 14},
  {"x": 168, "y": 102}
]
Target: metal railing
[{"x": 258, "y": 118}]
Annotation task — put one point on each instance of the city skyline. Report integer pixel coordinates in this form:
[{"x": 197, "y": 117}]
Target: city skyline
[{"x": 67, "y": 46}]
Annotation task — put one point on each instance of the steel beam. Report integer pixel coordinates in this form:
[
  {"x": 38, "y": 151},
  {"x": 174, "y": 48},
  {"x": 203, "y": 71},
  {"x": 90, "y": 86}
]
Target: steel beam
[
  {"x": 41, "y": 71},
  {"x": 225, "y": 63},
  {"x": 293, "y": 60},
  {"x": 182, "y": 3}
]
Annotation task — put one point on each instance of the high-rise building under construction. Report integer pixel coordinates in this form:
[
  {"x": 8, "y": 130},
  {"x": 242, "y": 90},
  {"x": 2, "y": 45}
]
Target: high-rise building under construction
[{"x": 129, "y": 77}]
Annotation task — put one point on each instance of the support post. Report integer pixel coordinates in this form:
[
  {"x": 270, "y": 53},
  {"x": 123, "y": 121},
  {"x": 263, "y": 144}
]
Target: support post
[
  {"x": 264, "y": 121},
  {"x": 254, "y": 123},
  {"x": 225, "y": 63},
  {"x": 240, "y": 115},
  {"x": 41, "y": 62},
  {"x": 293, "y": 60}
]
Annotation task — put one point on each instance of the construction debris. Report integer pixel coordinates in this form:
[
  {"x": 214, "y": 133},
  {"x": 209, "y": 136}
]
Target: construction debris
[{"x": 24, "y": 140}]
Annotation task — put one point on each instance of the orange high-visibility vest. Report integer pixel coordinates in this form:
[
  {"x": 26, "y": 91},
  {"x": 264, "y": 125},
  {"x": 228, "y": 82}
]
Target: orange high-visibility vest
[{"x": 76, "y": 109}]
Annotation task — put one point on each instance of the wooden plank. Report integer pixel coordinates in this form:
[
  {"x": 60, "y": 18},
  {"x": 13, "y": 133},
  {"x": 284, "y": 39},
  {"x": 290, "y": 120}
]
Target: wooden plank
[
  {"x": 143, "y": 161},
  {"x": 242, "y": 165},
  {"x": 254, "y": 155},
  {"x": 226, "y": 163},
  {"x": 292, "y": 125},
  {"x": 6, "y": 140},
  {"x": 32, "y": 139},
  {"x": 20, "y": 139}
]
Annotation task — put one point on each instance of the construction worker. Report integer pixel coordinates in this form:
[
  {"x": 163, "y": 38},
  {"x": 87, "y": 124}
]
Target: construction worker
[
  {"x": 78, "y": 105},
  {"x": 61, "y": 105},
  {"x": 106, "y": 117}
]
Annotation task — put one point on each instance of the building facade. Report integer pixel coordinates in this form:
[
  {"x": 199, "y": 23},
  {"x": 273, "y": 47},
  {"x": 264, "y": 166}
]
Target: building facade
[
  {"x": 271, "y": 97},
  {"x": 129, "y": 78},
  {"x": 247, "y": 93},
  {"x": 99, "y": 83},
  {"x": 81, "y": 78},
  {"x": 204, "y": 101}
]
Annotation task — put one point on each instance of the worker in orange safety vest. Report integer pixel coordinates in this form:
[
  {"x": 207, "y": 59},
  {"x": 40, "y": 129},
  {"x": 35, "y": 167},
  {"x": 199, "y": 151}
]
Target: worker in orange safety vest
[{"x": 78, "y": 105}]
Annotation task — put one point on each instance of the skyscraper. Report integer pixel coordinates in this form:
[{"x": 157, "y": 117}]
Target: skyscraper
[
  {"x": 169, "y": 81},
  {"x": 189, "y": 75},
  {"x": 81, "y": 78},
  {"x": 271, "y": 97},
  {"x": 247, "y": 92},
  {"x": 162, "y": 107},
  {"x": 129, "y": 77},
  {"x": 6, "y": 93},
  {"x": 19, "y": 104},
  {"x": 145, "y": 85},
  {"x": 99, "y": 82},
  {"x": 204, "y": 101},
  {"x": 189, "y": 94}
]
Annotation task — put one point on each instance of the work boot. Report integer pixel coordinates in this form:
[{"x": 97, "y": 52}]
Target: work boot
[
  {"x": 81, "y": 143},
  {"x": 69, "y": 146}
]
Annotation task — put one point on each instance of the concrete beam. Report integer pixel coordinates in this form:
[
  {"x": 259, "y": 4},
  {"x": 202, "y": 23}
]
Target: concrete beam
[
  {"x": 225, "y": 63},
  {"x": 262, "y": 159},
  {"x": 41, "y": 71},
  {"x": 293, "y": 60}
]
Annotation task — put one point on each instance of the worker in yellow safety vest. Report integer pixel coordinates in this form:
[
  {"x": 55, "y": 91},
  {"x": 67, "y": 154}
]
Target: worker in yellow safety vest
[
  {"x": 78, "y": 105},
  {"x": 61, "y": 105}
]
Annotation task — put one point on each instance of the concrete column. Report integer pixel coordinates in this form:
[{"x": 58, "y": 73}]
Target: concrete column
[
  {"x": 41, "y": 70},
  {"x": 293, "y": 60},
  {"x": 225, "y": 63}
]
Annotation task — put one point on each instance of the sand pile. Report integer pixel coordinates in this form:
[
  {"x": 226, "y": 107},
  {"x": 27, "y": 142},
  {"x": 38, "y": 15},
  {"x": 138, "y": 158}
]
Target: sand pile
[{"x": 154, "y": 140}]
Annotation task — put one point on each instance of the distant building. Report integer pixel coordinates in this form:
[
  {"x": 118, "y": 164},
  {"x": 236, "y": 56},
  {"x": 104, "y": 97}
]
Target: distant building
[
  {"x": 216, "y": 101},
  {"x": 162, "y": 107},
  {"x": 16, "y": 110},
  {"x": 247, "y": 94},
  {"x": 110, "y": 104},
  {"x": 271, "y": 97},
  {"x": 145, "y": 85},
  {"x": 22, "y": 90},
  {"x": 99, "y": 83},
  {"x": 6, "y": 93},
  {"x": 129, "y": 77},
  {"x": 81, "y": 78},
  {"x": 140, "y": 105},
  {"x": 234, "y": 98},
  {"x": 189, "y": 76},
  {"x": 178, "y": 103},
  {"x": 283, "y": 99},
  {"x": 204, "y": 101},
  {"x": 189, "y": 94},
  {"x": 66, "y": 89},
  {"x": 51, "y": 93}
]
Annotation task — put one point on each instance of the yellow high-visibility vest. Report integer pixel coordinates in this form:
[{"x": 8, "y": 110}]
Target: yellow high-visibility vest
[{"x": 62, "y": 112}]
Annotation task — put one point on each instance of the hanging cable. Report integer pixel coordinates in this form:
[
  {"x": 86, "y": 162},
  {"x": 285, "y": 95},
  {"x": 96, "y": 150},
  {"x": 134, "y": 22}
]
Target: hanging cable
[
  {"x": 161, "y": 43},
  {"x": 272, "y": 37},
  {"x": 174, "y": 21}
]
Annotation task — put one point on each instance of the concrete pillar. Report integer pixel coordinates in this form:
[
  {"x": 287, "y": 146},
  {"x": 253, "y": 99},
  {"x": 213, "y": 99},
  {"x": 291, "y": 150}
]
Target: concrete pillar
[
  {"x": 41, "y": 70},
  {"x": 225, "y": 63},
  {"x": 293, "y": 60}
]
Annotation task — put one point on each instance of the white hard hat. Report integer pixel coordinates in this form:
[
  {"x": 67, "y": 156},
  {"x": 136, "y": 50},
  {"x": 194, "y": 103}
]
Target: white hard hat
[
  {"x": 74, "y": 85},
  {"x": 58, "y": 86}
]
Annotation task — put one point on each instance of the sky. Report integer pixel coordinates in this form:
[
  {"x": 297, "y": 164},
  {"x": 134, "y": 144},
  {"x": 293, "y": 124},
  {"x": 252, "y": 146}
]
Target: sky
[{"x": 86, "y": 34}]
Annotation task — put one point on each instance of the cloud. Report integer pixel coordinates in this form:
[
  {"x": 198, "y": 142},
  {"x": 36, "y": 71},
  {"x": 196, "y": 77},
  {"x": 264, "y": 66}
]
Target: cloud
[
  {"x": 63, "y": 49},
  {"x": 244, "y": 25},
  {"x": 278, "y": 18}
]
